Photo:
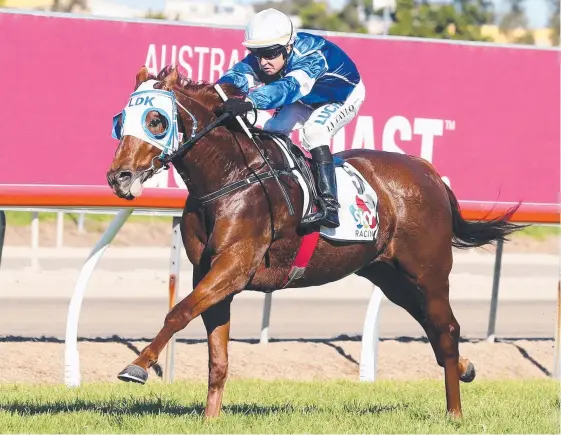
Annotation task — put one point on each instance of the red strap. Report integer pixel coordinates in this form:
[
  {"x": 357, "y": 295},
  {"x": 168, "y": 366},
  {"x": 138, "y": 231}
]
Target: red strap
[
  {"x": 303, "y": 256},
  {"x": 307, "y": 248}
]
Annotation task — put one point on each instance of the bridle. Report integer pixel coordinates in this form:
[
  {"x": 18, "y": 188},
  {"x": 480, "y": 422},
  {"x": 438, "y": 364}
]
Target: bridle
[
  {"x": 184, "y": 147},
  {"x": 165, "y": 158}
]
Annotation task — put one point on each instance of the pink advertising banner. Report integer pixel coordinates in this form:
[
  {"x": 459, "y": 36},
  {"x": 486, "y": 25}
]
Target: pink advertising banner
[{"x": 486, "y": 116}]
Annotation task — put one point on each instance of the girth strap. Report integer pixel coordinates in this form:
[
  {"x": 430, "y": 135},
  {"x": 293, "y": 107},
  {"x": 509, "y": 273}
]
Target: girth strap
[{"x": 229, "y": 188}]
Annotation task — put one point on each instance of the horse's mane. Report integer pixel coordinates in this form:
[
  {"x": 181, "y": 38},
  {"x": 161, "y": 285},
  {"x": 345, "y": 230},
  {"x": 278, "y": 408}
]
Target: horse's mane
[
  {"x": 201, "y": 91},
  {"x": 204, "y": 93}
]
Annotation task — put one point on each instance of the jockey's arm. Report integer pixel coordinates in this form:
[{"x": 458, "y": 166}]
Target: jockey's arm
[
  {"x": 295, "y": 85},
  {"x": 242, "y": 75}
]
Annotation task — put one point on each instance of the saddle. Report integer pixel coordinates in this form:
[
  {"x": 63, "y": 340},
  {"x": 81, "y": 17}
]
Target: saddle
[
  {"x": 296, "y": 161},
  {"x": 359, "y": 203}
]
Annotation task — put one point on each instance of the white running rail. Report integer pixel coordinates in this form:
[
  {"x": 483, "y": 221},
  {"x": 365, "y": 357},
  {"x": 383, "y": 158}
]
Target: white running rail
[
  {"x": 370, "y": 338},
  {"x": 71, "y": 355}
]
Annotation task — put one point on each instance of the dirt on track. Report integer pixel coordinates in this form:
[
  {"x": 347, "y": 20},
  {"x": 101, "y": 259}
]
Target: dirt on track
[{"x": 405, "y": 359}]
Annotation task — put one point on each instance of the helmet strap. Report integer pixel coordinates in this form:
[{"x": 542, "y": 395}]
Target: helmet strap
[
  {"x": 286, "y": 55},
  {"x": 290, "y": 43}
]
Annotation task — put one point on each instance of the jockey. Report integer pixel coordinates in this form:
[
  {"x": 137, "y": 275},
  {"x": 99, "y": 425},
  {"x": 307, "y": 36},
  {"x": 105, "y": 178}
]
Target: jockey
[{"x": 311, "y": 83}]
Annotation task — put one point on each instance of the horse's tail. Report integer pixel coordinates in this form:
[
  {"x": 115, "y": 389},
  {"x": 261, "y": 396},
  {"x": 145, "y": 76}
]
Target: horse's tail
[{"x": 473, "y": 234}]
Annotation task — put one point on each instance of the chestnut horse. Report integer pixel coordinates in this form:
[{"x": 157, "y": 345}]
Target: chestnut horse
[{"x": 247, "y": 237}]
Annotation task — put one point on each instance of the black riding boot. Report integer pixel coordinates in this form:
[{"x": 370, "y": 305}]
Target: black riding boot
[{"x": 324, "y": 174}]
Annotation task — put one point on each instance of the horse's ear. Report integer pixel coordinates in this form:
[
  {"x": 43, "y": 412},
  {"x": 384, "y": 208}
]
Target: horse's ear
[
  {"x": 170, "y": 79},
  {"x": 142, "y": 75}
]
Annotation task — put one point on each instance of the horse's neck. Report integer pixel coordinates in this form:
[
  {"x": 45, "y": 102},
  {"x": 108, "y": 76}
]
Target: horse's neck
[
  {"x": 225, "y": 154},
  {"x": 210, "y": 165},
  {"x": 217, "y": 159}
]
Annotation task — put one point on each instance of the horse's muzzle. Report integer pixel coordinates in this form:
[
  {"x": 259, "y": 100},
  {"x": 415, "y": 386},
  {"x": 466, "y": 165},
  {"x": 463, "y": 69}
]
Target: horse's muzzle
[{"x": 121, "y": 182}]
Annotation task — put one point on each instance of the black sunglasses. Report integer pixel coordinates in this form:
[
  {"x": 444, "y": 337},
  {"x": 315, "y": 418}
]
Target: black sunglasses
[{"x": 267, "y": 53}]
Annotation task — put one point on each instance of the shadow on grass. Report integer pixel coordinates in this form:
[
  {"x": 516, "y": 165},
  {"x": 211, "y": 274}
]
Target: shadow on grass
[{"x": 158, "y": 408}]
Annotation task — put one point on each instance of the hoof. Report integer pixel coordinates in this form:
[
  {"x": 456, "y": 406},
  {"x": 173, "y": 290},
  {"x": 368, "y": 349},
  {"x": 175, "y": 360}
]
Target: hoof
[
  {"x": 454, "y": 415},
  {"x": 469, "y": 375},
  {"x": 134, "y": 374}
]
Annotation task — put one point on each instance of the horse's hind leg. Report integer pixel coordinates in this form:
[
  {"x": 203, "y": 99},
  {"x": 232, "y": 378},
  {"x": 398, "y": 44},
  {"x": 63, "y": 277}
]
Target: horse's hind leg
[
  {"x": 399, "y": 289},
  {"x": 447, "y": 329},
  {"x": 411, "y": 294}
]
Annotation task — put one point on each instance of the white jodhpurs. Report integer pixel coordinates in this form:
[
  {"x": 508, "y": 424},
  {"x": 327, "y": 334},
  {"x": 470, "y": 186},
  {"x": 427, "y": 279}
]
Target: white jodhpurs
[{"x": 319, "y": 125}]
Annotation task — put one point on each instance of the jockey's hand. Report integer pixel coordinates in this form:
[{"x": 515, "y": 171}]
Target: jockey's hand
[{"x": 237, "y": 106}]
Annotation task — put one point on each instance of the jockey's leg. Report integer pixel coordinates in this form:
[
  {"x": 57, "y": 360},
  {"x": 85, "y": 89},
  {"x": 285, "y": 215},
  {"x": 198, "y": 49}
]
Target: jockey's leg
[
  {"x": 288, "y": 118},
  {"x": 322, "y": 125},
  {"x": 294, "y": 117},
  {"x": 324, "y": 173}
]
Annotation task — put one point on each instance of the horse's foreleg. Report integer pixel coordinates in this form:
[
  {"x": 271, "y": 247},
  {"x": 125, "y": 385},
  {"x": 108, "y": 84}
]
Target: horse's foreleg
[
  {"x": 229, "y": 273},
  {"x": 217, "y": 324}
]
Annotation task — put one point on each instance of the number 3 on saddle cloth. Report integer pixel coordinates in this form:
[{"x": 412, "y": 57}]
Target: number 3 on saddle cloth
[{"x": 358, "y": 214}]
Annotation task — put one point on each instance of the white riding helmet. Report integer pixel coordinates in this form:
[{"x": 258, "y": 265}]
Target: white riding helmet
[{"x": 268, "y": 28}]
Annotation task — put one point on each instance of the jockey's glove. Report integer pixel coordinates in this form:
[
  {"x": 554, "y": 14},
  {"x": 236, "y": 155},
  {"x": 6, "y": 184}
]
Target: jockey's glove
[{"x": 237, "y": 106}]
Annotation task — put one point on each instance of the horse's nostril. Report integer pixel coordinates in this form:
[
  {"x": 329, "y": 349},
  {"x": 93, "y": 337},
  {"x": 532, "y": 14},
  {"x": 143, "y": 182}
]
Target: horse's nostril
[{"x": 124, "y": 177}]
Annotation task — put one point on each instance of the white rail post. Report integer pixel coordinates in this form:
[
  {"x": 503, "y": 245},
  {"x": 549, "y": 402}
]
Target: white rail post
[
  {"x": 174, "y": 270},
  {"x": 81, "y": 222},
  {"x": 495, "y": 293},
  {"x": 71, "y": 356},
  {"x": 370, "y": 338},
  {"x": 35, "y": 241},
  {"x": 264, "y": 339},
  {"x": 59, "y": 229},
  {"x": 2, "y": 232},
  {"x": 557, "y": 349}
]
